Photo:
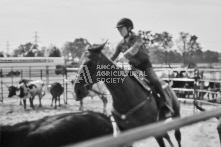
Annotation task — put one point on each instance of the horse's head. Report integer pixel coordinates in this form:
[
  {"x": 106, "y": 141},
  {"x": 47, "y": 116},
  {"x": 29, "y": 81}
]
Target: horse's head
[{"x": 87, "y": 71}]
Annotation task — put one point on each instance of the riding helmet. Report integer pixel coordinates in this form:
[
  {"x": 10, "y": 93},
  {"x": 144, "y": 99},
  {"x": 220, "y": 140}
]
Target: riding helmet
[{"x": 125, "y": 22}]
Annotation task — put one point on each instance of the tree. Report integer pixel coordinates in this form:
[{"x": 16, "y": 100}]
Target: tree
[
  {"x": 1, "y": 54},
  {"x": 156, "y": 55},
  {"x": 147, "y": 36},
  {"x": 54, "y": 52},
  {"x": 187, "y": 44},
  {"x": 158, "y": 40},
  {"x": 75, "y": 49},
  {"x": 210, "y": 56},
  {"x": 27, "y": 50},
  {"x": 163, "y": 41}
]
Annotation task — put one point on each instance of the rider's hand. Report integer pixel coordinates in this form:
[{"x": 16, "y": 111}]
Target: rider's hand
[{"x": 122, "y": 58}]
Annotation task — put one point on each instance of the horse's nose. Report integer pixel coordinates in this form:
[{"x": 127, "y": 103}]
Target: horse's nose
[{"x": 87, "y": 86}]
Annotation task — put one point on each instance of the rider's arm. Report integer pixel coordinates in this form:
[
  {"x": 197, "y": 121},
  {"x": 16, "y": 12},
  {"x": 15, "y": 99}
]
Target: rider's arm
[
  {"x": 116, "y": 53},
  {"x": 132, "y": 51}
]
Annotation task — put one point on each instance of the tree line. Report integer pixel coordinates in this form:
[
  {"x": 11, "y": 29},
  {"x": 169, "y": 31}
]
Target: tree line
[{"x": 162, "y": 47}]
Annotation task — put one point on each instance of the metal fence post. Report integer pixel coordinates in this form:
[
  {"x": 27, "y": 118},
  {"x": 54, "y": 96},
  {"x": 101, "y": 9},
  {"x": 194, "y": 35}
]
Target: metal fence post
[
  {"x": 21, "y": 74},
  {"x": 1, "y": 85},
  {"x": 41, "y": 74},
  {"x": 30, "y": 72},
  {"x": 65, "y": 87},
  {"x": 47, "y": 75},
  {"x": 66, "y": 84},
  {"x": 12, "y": 73}
]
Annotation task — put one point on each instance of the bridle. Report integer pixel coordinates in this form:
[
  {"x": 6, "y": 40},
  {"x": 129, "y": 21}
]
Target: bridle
[{"x": 89, "y": 85}]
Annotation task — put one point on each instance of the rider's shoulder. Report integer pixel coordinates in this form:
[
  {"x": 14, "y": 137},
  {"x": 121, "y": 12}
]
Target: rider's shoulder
[
  {"x": 135, "y": 37},
  {"x": 121, "y": 43}
]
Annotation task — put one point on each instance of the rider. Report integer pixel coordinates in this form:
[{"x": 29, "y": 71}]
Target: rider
[{"x": 134, "y": 51}]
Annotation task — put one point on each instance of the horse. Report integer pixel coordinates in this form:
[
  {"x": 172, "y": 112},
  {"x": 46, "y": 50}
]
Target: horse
[{"x": 133, "y": 105}]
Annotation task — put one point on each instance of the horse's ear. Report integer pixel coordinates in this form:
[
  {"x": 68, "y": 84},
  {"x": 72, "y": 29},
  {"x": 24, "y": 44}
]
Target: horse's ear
[{"x": 97, "y": 48}]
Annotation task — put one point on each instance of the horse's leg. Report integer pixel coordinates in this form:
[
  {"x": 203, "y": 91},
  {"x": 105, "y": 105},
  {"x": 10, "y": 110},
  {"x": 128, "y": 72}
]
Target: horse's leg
[
  {"x": 177, "y": 135},
  {"x": 160, "y": 141},
  {"x": 81, "y": 106},
  {"x": 219, "y": 130},
  {"x": 177, "y": 132},
  {"x": 167, "y": 137},
  {"x": 176, "y": 108},
  {"x": 104, "y": 99}
]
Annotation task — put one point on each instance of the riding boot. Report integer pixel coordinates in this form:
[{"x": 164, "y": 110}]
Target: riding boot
[{"x": 165, "y": 110}]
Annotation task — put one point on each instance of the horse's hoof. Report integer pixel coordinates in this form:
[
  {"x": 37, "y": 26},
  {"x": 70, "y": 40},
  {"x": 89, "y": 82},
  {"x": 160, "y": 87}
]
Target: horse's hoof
[{"x": 105, "y": 112}]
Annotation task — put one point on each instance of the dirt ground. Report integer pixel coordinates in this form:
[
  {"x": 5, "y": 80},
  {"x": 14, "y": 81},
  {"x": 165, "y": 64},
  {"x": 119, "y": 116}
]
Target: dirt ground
[{"x": 203, "y": 134}]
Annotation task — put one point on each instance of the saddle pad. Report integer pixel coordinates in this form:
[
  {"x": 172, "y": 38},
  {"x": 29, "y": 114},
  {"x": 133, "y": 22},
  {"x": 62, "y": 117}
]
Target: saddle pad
[
  {"x": 142, "y": 81},
  {"x": 145, "y": 83}
]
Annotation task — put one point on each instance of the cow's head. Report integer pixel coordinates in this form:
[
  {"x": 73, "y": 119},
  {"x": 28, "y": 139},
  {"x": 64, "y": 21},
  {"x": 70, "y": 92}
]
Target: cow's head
[
  {"x": 25, "y": 90},
  {"x": 32, "y": 86},
  {"x": 12, "y": 91}
]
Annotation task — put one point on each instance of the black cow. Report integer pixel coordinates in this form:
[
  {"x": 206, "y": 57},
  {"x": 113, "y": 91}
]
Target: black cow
[
  {"x": 58, "y": 130},
  {"x": 56, "y": 90}
]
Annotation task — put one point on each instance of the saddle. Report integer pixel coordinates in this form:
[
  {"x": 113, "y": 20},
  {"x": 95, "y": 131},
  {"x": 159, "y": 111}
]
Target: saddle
[{"x": 145, "y": 84}]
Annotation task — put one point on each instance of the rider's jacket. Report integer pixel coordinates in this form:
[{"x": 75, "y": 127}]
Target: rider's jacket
[{"x": 141, "y": 58}]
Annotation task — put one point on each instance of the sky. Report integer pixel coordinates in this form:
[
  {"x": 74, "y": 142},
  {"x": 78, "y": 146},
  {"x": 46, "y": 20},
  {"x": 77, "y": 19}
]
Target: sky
[{"x": 59, "y": 21}]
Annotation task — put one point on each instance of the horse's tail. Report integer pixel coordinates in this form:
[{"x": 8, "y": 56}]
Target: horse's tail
[
  {"x": 200, "y": 108},
  {"x": 197, "y": 106}
]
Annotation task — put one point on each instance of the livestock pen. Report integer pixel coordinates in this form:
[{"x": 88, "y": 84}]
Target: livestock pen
[
  {"x": 45, "y": 73},
  {"x": 15, "y": 114}
]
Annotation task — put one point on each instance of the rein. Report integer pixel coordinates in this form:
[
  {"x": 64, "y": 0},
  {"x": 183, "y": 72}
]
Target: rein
[
  {"x": 124, "y": 116},
  {"x": 95, "y": 91}
]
